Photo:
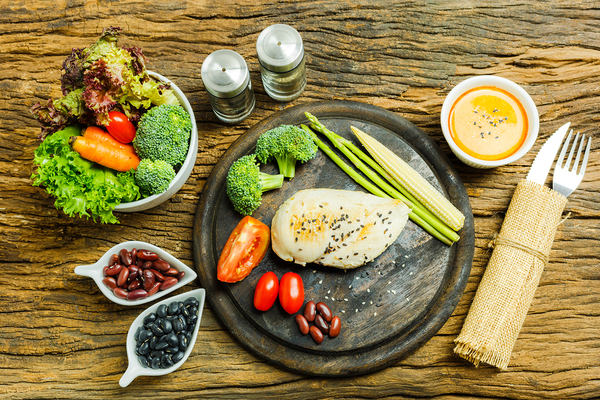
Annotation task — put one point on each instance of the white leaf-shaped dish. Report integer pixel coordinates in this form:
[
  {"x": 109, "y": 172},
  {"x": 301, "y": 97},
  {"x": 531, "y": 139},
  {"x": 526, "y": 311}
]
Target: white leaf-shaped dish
[
  {"x": 136, "y": 369},
  {"x": 94, "y": 271}
]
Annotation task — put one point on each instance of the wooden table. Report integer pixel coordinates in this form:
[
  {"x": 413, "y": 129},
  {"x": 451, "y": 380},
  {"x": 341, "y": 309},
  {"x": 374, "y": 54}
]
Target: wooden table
[{"x": 61, "y": 338}]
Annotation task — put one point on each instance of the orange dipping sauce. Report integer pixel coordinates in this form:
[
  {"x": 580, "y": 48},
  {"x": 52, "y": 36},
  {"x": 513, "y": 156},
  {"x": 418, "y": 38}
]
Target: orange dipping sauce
[{"x": 488, "y": 123}]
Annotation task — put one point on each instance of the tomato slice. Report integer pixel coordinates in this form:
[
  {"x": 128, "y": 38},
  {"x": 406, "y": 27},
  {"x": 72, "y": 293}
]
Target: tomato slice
[
  {"x": 244, "y": 250},
  {"x": 266, "y": 292},
  {"x": 120, "y": 127},
  {"x": 291, "y": 292}
]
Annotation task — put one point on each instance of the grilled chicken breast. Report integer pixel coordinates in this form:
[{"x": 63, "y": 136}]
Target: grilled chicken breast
[{"x": 338, "y": 228}]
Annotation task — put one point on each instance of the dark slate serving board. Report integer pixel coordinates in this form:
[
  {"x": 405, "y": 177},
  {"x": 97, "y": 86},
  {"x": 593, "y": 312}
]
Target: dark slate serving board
[{"x": 390, "y": 306}]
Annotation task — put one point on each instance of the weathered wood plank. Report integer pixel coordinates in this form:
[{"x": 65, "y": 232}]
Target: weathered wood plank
[{"x": 60, "y": 338}]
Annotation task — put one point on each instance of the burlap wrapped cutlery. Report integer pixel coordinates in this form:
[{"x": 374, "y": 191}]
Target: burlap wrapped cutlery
[{"x": 521, "y": 251}]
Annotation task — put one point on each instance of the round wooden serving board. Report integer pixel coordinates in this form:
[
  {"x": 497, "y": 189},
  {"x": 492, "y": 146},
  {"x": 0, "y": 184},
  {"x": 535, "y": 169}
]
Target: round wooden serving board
[{"x": 388, "y": 307}]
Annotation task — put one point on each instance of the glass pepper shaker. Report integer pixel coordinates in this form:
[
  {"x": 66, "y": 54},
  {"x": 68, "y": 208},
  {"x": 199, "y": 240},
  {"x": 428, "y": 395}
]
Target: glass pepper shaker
[
  {"x": 227, "y": 80},
  {"x": 282, "y": 67}
]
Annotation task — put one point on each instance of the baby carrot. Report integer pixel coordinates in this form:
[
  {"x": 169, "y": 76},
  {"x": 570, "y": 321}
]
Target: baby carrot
[
  {"x": 99, "y": 134},
  {"x": 104, "y": 154}
]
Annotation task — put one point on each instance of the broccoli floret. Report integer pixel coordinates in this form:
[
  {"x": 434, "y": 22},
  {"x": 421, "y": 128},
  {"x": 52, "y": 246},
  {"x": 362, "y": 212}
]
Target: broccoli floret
[
  {"x": 153, "y": 177},
  {"x": 163, "y": 133},
  {"x": 286, "y": 144},
  {"x": 246, "y": 184}
]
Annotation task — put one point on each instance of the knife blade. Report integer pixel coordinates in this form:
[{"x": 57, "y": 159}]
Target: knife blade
[{"x": 545, "y": 157}]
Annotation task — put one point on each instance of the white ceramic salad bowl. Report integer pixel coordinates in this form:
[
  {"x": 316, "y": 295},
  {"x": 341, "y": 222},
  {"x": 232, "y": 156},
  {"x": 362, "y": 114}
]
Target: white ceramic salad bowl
[
  {"x": 185, "y": 170},
  {"x": 94, "y": 271},
  {"x": 136, "y": 369}
]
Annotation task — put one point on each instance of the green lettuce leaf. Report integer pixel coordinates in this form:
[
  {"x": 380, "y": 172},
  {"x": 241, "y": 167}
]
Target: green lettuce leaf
[{"x": 80, "y": 187}]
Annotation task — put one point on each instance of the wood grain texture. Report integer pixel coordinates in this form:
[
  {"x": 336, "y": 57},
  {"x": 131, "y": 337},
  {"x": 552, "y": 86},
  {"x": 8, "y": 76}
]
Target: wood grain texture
[{"x": 59, "y": 338}]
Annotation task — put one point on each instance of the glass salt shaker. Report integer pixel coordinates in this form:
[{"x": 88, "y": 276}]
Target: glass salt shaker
[
  {"x": 282, "y": 67},
  {"x": 227, "y": 80}
]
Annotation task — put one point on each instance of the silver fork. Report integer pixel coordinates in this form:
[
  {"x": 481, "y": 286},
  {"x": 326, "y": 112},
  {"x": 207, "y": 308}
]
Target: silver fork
[{"x": 566, "y": 179}]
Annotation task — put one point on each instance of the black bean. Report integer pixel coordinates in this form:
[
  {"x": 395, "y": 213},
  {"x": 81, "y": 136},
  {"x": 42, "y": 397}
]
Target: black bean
[
  {"x": 166, "y": 326},
  {"x": 184, "y": 324},
  {"x": 155, "y": 329},
  {"x": 172, "y": 350},
  {"x": 173, "y": 308},
  {"x": 155, "y": 363},
  {"x": 145, "y": 335},
  {"x": 185, "y": 312},
  {"x": 172, "y": 339},
  {"x": 177, "y": 325},
  {"x": 166, "y": 361},
  {"x": 137, "y": 332},
  {"x": 191, "y": 301},
  {"x": 161, "y": 311},
  {"x": 177, "y": 356},
  {"x": 191, "y": 321},
  {"x": 161, "y": 345},
  {"x": 183, "y": 341},
  {"x": 144, "y": 361},
  {"x": 157, "y": 353},
  {"x": 194, "y": 310},
  {"x": 144, "y": 349},
  {"x": 149, "y": 318},
  {"x": 153, "y": 342}
]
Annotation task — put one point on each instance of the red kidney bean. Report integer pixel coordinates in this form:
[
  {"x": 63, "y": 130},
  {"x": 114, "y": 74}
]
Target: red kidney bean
[
  {"x": 154, "y": 288},
  {"x": 316, "y": 334},
  {"x": 146, "y": 264},
  {"x": 137, "y": 294},
  {"x": 325, "y": 311},
  {"x": 321, "y": 324},
  {"x": 123, "y": 275},
  {"x": 139, "y": 271},
  {"x": 134, "y": 269},
  {"x": 120, "y": 293},
  {"x": 336, "y": 326},
  {"x": 114, "y": 259},
  {"x": 147, "y": 255},
  {"x": 148, "y": 278},
  {"x": 310, "y": 311},
  {"x": 125, "y": 257},
  {"x": 158, "y": 276},
  {"x": 161, "y": 265},
  {"x": 110, "y": 282},
  {"x": 134, "y": 256},
  {"x": 302, "y": 324},
  {"x": 113, "y": 270},
  {"x": 169, "y": 282}
]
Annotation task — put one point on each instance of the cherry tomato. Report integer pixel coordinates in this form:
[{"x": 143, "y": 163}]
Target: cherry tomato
[
  {"x": 244, "y": 250},
  {"x": 266, "y": 291},
  {"x": 120, "y": 127},
  {"x": 291, "y": 292}
]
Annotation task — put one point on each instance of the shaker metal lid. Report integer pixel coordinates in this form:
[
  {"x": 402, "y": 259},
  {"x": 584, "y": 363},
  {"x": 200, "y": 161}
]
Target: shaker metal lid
[
  {"x": 279, "y": 48},
  {"x": 225, "y": 73}
]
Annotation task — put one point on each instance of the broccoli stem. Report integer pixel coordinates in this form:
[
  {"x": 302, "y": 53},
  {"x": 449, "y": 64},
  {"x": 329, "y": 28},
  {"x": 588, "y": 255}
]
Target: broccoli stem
[
  {"x": 419, "y": 214},
  {"x": 270, "y": 182},
  {"x": 287, "y": 165}
]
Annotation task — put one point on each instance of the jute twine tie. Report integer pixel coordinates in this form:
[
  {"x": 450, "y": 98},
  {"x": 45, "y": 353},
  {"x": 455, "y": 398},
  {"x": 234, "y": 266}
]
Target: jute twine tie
[
  {"x": 507, "y": 288},
  {"x": 502, "y": 240}
]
